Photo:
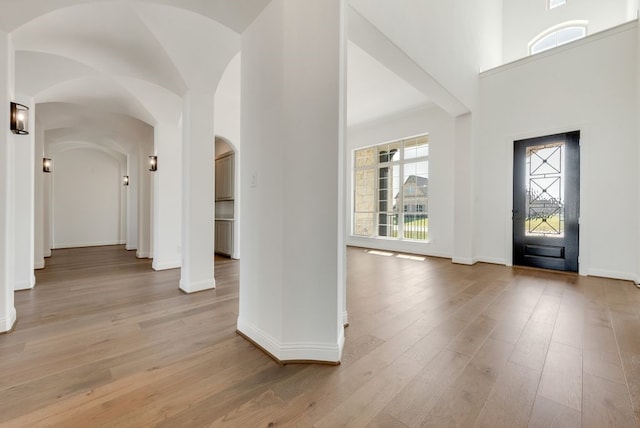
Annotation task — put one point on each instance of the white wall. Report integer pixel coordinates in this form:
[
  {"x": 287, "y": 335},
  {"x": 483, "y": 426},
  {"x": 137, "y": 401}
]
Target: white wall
[
  {"x": 290, "y": 282},
  {"x": 591, "y": 86},
  {"x": 440, "y": 127},
  {"x": 39, "y": 194},
  {"x": 523, "y": 20},
  {"x": 167, "y": 193},
  {"x": 7, "y": 309},
  {"x": 23, "y": 202},
  {"x": 227, "y": 125},
  {"x": 86, "y": 198}
]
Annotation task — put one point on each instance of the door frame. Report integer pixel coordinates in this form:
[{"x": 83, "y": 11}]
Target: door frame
[{"x": 583, "y": 265}]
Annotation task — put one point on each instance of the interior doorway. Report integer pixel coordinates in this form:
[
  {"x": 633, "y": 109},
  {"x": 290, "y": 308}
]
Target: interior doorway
[{"x": 546, "y": 201}]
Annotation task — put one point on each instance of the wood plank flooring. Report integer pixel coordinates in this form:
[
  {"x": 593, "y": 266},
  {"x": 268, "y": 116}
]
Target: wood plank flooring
[{"x": 105, "y": 341}]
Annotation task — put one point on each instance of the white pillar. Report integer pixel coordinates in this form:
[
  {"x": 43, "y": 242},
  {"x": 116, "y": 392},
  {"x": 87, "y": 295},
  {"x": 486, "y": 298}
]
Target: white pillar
[
  {"x": 292, "y": 269},
  {"x": 23, "y": 203},
  {"x": 197, "y": 192},
  {"x": 7, "y": 309},
  {"x": 39, "y": 215},
  {"x": 167, "y": 189},
  {"x": 463, "y": 226},
  {"x": 132, "y": 200},
  {"x": 143, "y": 179}
]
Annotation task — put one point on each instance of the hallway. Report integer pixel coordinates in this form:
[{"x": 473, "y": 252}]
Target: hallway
[{"x": 104, "y": 340}]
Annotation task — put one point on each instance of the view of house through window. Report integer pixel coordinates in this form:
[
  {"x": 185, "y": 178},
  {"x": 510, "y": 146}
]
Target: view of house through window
[{"x": 390, "y": 190}]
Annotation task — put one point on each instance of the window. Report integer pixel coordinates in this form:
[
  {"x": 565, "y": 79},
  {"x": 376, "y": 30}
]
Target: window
[
  {"x": 557, "y": 38},
  {"x": 386, "y": 178},
  {"x": 552, "y": 4}
]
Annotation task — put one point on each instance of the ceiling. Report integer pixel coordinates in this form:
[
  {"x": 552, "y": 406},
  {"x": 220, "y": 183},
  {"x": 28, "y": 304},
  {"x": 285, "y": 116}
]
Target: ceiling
[
  {"x": 374, "y": 91},
  {"x": 121, "y": 57}
]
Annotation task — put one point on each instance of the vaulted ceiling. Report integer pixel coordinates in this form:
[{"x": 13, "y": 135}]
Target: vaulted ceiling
[{"x": 88, "y": 58}]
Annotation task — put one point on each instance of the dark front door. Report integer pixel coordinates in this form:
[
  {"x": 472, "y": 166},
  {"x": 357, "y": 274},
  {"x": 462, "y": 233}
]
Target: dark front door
[{"x": 546, "y": 201}]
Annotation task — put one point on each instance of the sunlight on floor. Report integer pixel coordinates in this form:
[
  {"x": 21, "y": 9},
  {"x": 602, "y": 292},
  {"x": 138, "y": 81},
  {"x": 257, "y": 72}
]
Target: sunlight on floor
[{"x": 400, "y": 256}]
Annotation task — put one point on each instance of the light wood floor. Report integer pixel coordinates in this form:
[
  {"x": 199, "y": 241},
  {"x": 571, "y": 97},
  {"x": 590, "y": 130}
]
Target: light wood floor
[{"x": 104, "y": 341}]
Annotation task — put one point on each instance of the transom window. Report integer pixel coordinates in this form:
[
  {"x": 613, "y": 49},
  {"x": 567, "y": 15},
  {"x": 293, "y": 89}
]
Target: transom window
[
  {"x": 389, "y": 177},
  {"x": 551, "y": 4},
  {"x": 557, "y": 38}
]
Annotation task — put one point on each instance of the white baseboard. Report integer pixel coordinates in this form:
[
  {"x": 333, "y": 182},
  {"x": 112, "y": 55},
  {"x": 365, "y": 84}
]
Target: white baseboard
[
  {"x": 142, "y": 255},
  {"x": 398, "y": 246},
  {"x": 6, "y": 324},
  {"x": 164, "y": 265},
  {"x": 296, "y": 351},
  {"x": 85, "y": 244},
  {"x": 38, "y": 264},
  {"x": 194, "y": 287},
  {"x": 626, "y": 276},
  {"x": 129, "y": 248},
  {"x": 23, "y": 285},
  {"x": 463, "y": 261},
  {"x": 492, "y": 260},
  {"x": 345, "y": 318}
]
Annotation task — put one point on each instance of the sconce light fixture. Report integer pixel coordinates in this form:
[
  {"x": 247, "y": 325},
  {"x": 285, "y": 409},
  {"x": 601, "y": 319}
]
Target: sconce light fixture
[
  {"x": 46, "y": 165},
  {"x": 153, "y": 163},
  {"x": 19, "y": 119},
  {"x": 125, "y": 180}
]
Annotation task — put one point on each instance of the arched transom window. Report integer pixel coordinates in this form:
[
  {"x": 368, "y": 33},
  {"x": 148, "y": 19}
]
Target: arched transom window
[{"x": 557, "y": 37}]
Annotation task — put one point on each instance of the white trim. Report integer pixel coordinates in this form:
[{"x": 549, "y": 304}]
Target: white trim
[
  {"x": 345, "y": 318},
  {"x": 7, "y": 324},
  {"x": 143, "y": 254},
  {"x": 463, "y": 261},
  {"x": 129, "y": 248},
  {"x": 23, "y": 285},
  {"x": 38, "y": 264},
  {"x": 397, "y": 245},
  {"x": 492, "y": 260},
  {"x": 625, "y": 276},
  {"x": 85, "y": 244},
  {"x": 293, "y": 351},
  {"x": 194, "y": 287},
  {"x": 165, "y": 265}
]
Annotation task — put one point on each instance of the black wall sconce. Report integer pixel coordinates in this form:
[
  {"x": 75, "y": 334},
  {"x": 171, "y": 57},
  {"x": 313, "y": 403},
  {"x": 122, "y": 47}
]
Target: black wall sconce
[
  {"x": 19, "y": 119},
  {"x": 153, "y": 163},
  {"x": 125, "y": 180},
  {"x": 46, "y": 165}
]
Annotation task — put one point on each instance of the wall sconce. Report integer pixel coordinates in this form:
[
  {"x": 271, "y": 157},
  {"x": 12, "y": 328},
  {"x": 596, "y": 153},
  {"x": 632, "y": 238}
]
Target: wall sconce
[
  {"x": 153, "y": 163},
  {"x": 19, "y": 119},
  {"x": 46, "y": 165},
  {"x": 125, "y": 180}
]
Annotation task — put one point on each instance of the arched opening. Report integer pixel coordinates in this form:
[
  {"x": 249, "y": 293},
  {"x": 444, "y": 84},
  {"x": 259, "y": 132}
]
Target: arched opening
[
  {"x": 557, "y": 36},
  {"x": 227, "y": 201}
]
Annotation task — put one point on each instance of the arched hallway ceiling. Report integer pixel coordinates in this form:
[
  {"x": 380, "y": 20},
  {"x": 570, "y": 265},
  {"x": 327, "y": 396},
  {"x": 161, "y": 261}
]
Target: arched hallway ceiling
[
  {"x": 236, "y": 14},
  {"x": 135, "y": 58},
  {"x": 66, "y": 122}
]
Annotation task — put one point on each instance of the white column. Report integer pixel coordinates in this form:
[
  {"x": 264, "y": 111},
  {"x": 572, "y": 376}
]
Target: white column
[
  {"x": 197, "y": 192},
  {"x": 167, "y": 189},
  {"x": 463, "y": 230},
  {"x": 132, "y": 199},
  {"x": 38, "y": 176},
  {"x": 47, "y": 202},
  {"x": 143, "y": 179},
  {"x": 7, "y": 309},
  {"x": 23, "y": 203},
  {"x": 292, "y": 269}
]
